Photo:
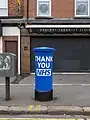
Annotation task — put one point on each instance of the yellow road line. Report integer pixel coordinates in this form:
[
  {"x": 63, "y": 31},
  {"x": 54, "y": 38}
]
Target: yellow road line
[{"x": 41, "y": 119}]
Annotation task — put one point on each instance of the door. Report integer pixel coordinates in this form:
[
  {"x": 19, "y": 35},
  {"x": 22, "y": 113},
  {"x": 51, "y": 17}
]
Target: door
[{"x": 12, "y": 47}]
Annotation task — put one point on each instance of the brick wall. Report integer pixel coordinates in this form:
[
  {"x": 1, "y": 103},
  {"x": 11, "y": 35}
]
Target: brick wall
[
  {"x": 63, "y": 8},
  {"x": 25, "y": 51},
  {"x": 60, "y": 8},
  {"x": 25, "y": 54},
  {"x": 24, "y": 8},
  {"x": 13, "y": 7}
]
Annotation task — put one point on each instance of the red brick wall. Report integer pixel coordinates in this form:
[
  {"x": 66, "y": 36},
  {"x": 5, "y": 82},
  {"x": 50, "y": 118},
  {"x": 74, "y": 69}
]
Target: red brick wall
[
  {"x": 60, "y": 8},
  {"x": 24, "y": 8},
  {"x": 13, "y": 7},
  {"x": 33, "y": 8},
  {"x": 63, "y": 8}
]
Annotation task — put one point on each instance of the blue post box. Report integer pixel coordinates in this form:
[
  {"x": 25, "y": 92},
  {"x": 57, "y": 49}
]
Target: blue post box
[{"x": 43, "y": 73}]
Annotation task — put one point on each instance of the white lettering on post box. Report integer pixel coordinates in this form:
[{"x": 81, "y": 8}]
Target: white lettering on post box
[
  {"x": 43, "y": 58},
  {"x": 43, "y": 65},
  {"x": 43, "y": 72}
]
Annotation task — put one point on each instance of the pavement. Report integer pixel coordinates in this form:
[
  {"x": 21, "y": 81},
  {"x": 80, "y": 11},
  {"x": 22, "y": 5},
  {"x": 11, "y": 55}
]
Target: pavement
[{"x": 71, "y": 96}]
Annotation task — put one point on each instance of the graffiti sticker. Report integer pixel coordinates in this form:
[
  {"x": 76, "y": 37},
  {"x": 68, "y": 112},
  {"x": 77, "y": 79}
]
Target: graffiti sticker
[{"x": 5, "y": 62}]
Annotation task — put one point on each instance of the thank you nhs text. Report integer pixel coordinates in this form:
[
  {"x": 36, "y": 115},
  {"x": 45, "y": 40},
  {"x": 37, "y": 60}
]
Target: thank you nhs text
[{"x": 43, "y": 65}]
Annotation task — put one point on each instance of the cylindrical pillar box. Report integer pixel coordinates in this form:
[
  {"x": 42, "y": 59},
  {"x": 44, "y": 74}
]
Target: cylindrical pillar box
[{"x": 43, "y": 73}]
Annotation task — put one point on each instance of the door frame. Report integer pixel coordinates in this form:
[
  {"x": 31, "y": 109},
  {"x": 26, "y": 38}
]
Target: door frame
[
  {"x": 5, "y": 50},
  {"x": 13, "y": 32}
]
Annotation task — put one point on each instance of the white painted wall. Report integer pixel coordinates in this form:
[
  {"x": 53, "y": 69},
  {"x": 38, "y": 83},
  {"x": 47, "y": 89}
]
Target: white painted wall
[
  {"x": 4, "y": 4},
  {"x": 3, "y": 11},
  {"x": 1, "y": 45},
  {"x": 13, "y": 31},
  {"x": 4, "y": 8}
]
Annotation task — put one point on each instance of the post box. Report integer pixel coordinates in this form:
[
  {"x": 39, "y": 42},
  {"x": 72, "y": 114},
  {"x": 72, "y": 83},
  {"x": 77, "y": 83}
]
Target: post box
[{"x": 43, "y": 73}]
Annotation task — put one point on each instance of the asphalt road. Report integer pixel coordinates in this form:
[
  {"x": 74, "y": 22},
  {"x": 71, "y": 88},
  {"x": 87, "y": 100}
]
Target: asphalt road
[
  {"x": 62, "y": 79},
  {"x": 57, "y": 79},
  {"x": 63, "y": 95},
  {"x": 68, "y": 90}
]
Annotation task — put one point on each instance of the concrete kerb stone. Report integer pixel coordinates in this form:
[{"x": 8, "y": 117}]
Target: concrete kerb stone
[
  {"x": 39, "y": 109},
  {"x": 32, "y": 109},
  {"x": 4, "y": 110},
  {"x": 86, "y": 110},
  {"x": 18, "y": 110},
  {"x": 73, "y": 110}
]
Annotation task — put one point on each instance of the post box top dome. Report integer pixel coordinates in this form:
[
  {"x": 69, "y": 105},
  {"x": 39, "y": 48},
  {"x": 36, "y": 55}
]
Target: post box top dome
[{"x": 44, "y": 49}]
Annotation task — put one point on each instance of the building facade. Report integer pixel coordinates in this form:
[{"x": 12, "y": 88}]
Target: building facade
[{"x": 61, "y": 24}]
